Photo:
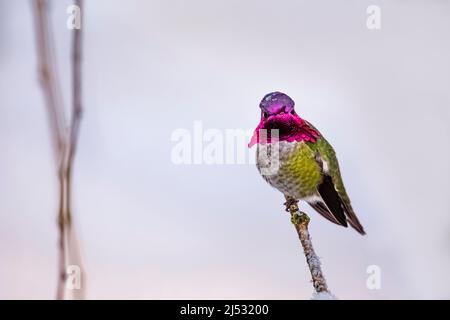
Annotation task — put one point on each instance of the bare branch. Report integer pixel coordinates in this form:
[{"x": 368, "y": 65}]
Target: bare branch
[
  {"x": 55, "y": 111},
  {"x": 64, "y": 139},
  {"x": 47, "y": 77},
  {"x": 77, "y": 110},
  {"x": 76, "y": 89}
]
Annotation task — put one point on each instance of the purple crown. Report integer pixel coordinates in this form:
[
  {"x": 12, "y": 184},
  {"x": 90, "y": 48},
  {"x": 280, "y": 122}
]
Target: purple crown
[{"x": 276, "y": 102}]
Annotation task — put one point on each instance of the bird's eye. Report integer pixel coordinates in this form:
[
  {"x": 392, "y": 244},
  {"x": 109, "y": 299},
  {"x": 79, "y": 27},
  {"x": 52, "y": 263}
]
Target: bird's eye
[{"x": 265, "y": 115}]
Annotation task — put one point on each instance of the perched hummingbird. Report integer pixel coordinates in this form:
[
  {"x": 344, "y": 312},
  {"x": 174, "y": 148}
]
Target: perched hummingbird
[{"x": 307, "y": 167}]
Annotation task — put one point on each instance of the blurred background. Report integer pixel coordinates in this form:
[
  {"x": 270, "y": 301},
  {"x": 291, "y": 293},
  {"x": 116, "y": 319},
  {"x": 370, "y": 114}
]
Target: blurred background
[{"x": 150, "y": 229}]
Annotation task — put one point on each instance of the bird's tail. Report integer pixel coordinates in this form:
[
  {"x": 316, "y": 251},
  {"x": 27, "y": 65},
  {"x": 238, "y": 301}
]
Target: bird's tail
[{"x": 334, "y": 208}]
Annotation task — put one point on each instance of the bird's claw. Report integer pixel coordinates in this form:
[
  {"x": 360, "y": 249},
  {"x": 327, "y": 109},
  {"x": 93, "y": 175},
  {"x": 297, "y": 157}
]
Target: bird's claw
[{"x": 290, "y": 202}]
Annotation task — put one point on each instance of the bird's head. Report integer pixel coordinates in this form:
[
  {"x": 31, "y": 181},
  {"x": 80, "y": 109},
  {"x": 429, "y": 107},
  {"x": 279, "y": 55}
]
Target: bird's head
[
  {"x": 277, "y": 112},
  {"x": 276, "y": 104}
]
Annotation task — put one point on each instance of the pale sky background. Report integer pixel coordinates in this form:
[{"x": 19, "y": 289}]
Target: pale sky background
[{"x": 150, "y": 229}]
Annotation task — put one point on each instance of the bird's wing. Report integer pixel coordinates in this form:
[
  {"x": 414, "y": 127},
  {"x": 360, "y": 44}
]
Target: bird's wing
[
  {"x": 332, "y": 190},
  {"x": 322, "y": 208}
]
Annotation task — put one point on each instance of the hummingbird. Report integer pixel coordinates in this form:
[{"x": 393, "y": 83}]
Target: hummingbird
[{"x": 307, "y": 168}]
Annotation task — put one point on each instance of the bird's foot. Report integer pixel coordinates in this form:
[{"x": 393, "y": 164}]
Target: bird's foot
[{"x": 290, "y": 204}]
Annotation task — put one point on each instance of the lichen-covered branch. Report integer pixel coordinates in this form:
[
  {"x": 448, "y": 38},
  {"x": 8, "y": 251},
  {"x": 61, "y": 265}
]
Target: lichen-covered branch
[{"x": 301, "y": 221}]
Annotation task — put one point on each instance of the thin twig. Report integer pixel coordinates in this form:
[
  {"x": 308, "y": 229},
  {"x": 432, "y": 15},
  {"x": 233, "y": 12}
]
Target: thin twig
[
  {"x": 55, "y": 111},
  {"x": 47, "y": 77},
  {"x": 76, "y": 88},
  {"x": 76, "y": 104},
  {"x": 64, "y": 139},
  {"x": 301, "y": 221},
  {"x": 77, "y": 110}
]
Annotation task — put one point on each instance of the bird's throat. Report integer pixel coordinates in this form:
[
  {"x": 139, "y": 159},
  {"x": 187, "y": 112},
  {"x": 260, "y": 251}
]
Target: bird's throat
[{"x": 283, "y": 127}]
